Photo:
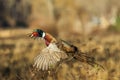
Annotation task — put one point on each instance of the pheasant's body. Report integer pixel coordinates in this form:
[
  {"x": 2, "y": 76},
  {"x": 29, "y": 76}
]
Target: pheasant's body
[
  {"x": 56, "y": 51},
  {"x": 52, "y": 54}
]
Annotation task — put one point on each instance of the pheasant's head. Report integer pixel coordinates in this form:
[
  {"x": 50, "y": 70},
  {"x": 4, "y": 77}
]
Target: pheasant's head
[{"x": 37, "y": 33}]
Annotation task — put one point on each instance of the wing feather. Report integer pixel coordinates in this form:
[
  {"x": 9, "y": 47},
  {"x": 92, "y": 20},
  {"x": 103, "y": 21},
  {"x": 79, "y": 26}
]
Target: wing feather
[
  {"x": 39, "y": 62},
  {"x": 43, "y": 65},
  {"x": 48, "y": 57}
]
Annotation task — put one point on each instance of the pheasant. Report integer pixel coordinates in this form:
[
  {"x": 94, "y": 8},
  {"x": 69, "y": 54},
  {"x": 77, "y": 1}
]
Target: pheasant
[{"x": 56, "y": 51}]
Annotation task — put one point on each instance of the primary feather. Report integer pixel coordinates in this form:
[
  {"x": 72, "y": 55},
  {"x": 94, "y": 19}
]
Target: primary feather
[{"x": 49, "y": 57}]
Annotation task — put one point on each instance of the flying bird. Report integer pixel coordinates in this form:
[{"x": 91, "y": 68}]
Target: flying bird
[{"x": 56, "y": 51}]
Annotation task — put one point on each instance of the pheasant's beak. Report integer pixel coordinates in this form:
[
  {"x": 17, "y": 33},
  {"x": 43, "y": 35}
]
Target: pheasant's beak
[{"x": 31, "y": 35}]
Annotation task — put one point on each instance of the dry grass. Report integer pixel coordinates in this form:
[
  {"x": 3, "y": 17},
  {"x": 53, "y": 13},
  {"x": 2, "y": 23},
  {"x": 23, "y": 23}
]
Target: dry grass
[
  {"x": 17, "y": 57},
  {"x": 69, "y": 18}
]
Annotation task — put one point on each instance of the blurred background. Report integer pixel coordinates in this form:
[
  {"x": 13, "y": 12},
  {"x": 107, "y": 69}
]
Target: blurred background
[{"x": 92, "y": 25}]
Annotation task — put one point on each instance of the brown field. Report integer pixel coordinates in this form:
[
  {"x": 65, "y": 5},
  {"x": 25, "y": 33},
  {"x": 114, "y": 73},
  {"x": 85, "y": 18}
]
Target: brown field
[
  {"x": 88, "y": 24},
  {"x": 17, "y": 53}
]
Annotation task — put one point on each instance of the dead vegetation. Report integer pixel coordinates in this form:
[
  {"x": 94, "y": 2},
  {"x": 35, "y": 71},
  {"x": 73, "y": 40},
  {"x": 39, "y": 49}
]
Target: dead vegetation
[{"x": 84, "y": 23}]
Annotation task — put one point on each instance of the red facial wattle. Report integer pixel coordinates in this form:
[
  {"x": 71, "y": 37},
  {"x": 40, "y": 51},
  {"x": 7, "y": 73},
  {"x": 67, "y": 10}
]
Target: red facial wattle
[{"x": 35, "y": 34}]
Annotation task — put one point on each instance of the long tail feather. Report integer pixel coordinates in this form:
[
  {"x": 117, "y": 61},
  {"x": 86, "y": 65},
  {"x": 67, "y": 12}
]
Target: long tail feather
[{"x": 83, "y": 57}]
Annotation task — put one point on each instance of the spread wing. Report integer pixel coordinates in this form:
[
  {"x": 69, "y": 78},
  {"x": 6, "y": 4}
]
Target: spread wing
[{"x": 49, "y": 57}]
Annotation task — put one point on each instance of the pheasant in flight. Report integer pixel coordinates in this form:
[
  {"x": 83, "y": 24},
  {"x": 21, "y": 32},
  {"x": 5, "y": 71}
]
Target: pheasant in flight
[{"x": 56, "y": 51}]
